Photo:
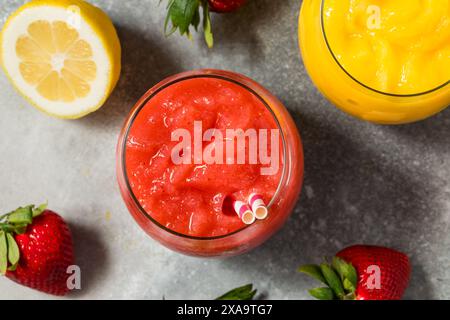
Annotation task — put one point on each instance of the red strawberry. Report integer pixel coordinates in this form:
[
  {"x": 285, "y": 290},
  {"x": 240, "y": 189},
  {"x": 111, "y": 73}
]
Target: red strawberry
[
  {"x": 394, "y": 271},
  {"x": 184, "y": 14},
  {"x": 362, "y": 272},
  {"x": 36, "y": 249},
  {"x": 225, "y": 5}
]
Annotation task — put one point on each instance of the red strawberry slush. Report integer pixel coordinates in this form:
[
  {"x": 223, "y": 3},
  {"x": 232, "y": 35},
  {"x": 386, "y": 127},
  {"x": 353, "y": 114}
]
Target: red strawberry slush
[
  {"x": 194, "y": 197},
  {"x": 180, "y": 170}
]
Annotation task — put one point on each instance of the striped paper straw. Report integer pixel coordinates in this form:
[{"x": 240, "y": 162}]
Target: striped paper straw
[
  {"x": 244, "y": 212},
  {"x": 258, "y": 206}
]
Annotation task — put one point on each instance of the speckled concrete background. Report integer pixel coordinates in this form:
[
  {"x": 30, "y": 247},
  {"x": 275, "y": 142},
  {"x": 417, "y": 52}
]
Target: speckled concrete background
[{"x": 363, "y": 183}]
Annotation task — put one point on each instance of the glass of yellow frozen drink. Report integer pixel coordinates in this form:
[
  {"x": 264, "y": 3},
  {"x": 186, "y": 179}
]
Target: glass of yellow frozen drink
[{"x": 385, "y": 61}]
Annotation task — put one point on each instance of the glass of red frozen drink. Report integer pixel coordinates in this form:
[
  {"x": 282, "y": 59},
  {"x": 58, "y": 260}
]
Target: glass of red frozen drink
[{"x": 199, "y": 142}]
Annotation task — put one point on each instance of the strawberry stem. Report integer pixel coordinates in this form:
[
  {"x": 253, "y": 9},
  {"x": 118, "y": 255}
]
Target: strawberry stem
[
  {"x": 339, "y": 276},
  {"x": 15, "y": 222},
  {"x": 184, "y": 14}
]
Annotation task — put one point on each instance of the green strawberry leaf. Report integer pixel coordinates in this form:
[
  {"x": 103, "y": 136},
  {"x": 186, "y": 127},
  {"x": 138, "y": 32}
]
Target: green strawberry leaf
[
  {"x": 18, "y": 220},
  {"x": 23, "y": 215},
  {"x": 3, "y": 253},
  {"x": 313, "y": 271},
  {"x": 346, "y": 271},
  {"x": 13, "y": 250},
  {"x": 348, "y": 286},
  {"x": 13, "y": 267},
  {"x": 7, "y": 227},
  {"x": 333, "y": 280},
  {"x": 338, "y": 265},
  {"x": 322, "y": 293},
  {"x": 20, "y": 228},
  {"x": 183, "y": 14},
  {"x": 10, "y": 223},
  {"x": 350, "y": 296},
  {"x": 38, "y": 211},
  {"x": 166, "y": 22},
  {"x": 207, "y": 27},
  {"x": 196, "y": 20},
  {"x": 351, "y": 275},
  {"x": 242, "y": 293}
]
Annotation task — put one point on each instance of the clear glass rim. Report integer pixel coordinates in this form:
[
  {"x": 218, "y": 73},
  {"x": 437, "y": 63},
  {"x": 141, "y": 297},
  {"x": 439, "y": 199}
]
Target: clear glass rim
[
  {"x": 141, "y": 104},
  {"x": 361, "y": 83}
]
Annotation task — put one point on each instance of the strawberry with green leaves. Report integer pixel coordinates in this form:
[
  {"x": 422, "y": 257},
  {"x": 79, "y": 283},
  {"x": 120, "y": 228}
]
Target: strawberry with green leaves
[
  {"x": 184, "y": 14},
  {"x": 36, "y": 249},
  {"x": 361, "y": 272}
]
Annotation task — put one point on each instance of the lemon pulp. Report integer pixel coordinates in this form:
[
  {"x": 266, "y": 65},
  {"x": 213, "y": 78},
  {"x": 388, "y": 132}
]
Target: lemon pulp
[{"x": 56, "y": 61}]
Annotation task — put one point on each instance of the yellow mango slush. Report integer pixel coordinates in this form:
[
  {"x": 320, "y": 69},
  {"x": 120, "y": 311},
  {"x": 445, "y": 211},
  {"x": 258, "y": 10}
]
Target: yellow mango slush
[{"x": 385, "y": 61}]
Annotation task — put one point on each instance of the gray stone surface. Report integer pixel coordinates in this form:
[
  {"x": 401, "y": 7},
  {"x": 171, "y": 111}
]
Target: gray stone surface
[{"x": 364, "y": 183}]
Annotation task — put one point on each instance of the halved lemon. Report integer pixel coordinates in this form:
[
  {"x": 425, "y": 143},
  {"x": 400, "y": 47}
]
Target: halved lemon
[{"x": 64, "y": 56}]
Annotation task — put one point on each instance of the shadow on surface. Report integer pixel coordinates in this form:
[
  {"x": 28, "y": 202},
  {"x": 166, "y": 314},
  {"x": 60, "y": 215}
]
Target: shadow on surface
[
  {"x": 434, "y": 131},
  {"x": 350, "y": 195},
  {"x": 243, "y": 33},
  {"x": 243, "y": 25},
  {"x": 91, "y": 256},
  {"x": 418, "y": 288}
]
